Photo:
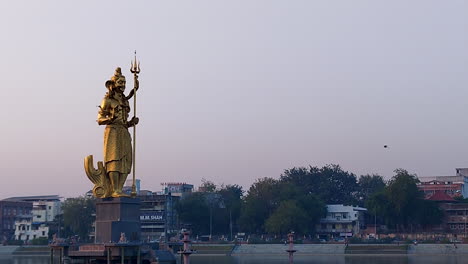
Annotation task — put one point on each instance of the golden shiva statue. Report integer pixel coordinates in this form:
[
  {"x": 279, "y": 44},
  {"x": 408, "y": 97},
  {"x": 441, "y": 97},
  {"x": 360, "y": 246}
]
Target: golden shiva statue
[{"x": 114, "y": 110}]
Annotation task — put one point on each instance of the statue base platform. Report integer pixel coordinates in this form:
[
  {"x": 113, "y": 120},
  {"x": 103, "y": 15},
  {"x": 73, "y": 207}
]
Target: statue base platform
[{"x": 115, "y": 216}]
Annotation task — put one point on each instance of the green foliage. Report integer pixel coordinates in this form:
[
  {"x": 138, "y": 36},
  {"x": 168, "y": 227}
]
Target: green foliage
[
  {"x": 369, "y": 185},
  {"x": 330, "y": 183},
  {"x": 401, "y": 204},
  {"x": 288, "y": 216},
  {"x": 207, "y": 186},
  {"x": 223, "y": 205},
  {"x": 297, "y": 201},
  {"x": 15, "y": 242},
  {"x": 280, "y": 206},
  {"x": 78, "y": 216},
  {"x": 260, "y": 202},
  {"x": 193, "y": 209},
  {"x": 231, "y": 196},
  {"x": 40, "y": 241}
]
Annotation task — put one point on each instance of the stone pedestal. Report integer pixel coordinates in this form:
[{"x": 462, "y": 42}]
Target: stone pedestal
[{"x": 115, "y": 216}]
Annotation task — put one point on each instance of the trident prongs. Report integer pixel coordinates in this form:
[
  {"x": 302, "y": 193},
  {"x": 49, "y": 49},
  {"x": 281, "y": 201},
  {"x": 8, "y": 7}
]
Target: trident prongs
[{"x": 135, "y": 66}]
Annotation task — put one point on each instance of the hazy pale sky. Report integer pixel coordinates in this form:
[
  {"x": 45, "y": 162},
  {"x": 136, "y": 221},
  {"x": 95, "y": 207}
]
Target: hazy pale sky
[{"x": 232, "y": 91}]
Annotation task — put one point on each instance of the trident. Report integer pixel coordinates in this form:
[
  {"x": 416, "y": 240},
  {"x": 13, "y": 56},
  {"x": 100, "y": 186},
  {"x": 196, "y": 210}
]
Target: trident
[{"x": 135, "y": 69}]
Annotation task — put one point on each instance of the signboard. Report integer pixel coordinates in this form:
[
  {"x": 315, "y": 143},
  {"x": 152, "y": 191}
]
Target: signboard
[{"x": 151, "y": 216}]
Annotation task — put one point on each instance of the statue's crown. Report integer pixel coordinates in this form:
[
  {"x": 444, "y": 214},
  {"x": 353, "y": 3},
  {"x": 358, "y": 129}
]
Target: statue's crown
[{"x": 117, "y": 74}]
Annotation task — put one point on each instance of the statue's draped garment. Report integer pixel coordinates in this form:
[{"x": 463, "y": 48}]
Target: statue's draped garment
[{"x": 117, "y": 140}]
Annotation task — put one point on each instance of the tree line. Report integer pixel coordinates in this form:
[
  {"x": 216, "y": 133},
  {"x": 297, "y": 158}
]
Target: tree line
[{"x": 297, "y": 200}]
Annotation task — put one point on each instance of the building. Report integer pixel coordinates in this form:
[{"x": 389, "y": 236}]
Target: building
[
  {"x": 9, "y": 212},
  {"x": 341, "y": 221},
  {"x": 158, "y": 216},
  {"x": 177, "y": 188},
  {"x": 127, "y": 188},
  {"x": 455, "y": 218},
  {"x": 452, "y": 185},
  {"x": 45, "y": 209},
  {"x": 26, "y": 229}
]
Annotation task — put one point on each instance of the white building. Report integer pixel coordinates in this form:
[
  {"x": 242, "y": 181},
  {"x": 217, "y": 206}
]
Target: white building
[
  {"x": 45, "y": 210},
  {"x": 341, "y": 221},
  {"x": 45, "y": 207},
  {"x": 26, "y": 229}
]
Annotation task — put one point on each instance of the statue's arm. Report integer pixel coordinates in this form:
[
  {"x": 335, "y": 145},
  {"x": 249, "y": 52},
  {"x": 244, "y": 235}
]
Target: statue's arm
[
  {"x": 137, "y": 85},
  {"x": 105, "y": 115}
]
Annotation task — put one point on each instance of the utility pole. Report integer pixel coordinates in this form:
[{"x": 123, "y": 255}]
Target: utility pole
[
  {"x": 211, "y": 220},
  {"x": 375, "y": 223},
  {"x": 230, "y": 221}
]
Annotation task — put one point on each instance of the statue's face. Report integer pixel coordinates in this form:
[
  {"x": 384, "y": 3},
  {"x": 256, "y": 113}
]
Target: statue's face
[{"x": 120, "y": 83}]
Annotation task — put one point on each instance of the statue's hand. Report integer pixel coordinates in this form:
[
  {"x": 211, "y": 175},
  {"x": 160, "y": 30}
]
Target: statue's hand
[{"x": 134, "y": 121}]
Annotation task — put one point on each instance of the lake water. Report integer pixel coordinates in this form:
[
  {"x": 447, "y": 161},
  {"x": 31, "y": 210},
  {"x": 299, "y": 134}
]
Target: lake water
[{"x": 383, "y": 259}]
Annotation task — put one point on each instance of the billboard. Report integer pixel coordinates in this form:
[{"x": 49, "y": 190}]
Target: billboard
[{"x": 151, "y": 216}]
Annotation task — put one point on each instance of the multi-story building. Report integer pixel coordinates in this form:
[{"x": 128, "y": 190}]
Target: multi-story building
[
  {"x": 452, "y": 185},
  {"x": 9, "y": 212},
  {"x": 158, "y": 215},
  {"x": 26, "y": 229},
  {"x": 177, "y": 188},
  {"x": 45, "y": 209},
  {"x": 341, "y": 221}
]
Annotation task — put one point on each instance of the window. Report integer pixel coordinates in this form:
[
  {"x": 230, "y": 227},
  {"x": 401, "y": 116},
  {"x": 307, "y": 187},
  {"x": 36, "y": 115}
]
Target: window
[
  {"x": 345, "y": 215},
  {"x": 333, "y": 226},
  {"x": 43, "y": 233}
]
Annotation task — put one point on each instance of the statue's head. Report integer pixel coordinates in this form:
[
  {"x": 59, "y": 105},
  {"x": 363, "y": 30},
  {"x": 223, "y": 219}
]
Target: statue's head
[{"x": 119, "y": 79}]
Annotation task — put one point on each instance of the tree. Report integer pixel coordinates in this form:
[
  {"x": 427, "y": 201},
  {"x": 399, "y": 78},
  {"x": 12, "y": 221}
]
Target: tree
[
  {"x": 78, "y": 216},
  {"x": 402, "y": 204},
  {"x": 260, "y": 202},
  {"x": 193, "y": 209},
  {"x": 288, "y": 216},
  {"x": 368, "y": 185},
  {"x": 403, "y": 193},
  {"x": 231, "y": 196},
  {"x": 280, "y": 206},
  {"x": 207, "y": 186},
  {"x": 330, "y": 183}
]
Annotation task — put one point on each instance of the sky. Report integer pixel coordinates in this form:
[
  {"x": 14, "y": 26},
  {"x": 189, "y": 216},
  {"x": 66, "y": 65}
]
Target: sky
[{"x": 234, "y": 91}]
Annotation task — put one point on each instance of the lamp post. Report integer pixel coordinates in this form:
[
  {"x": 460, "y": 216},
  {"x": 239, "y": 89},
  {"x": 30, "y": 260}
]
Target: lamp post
[{"x": 464, "y": 218}]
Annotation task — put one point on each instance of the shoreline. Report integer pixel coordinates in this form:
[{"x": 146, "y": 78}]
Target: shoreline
[{"x": 280, "y": 249}]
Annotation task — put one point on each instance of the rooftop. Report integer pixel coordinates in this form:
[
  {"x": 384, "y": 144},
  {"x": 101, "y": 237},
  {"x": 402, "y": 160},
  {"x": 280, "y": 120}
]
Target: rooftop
[
  {"x": 33, "y": 198},
  {"x": 336, "y": 208}
]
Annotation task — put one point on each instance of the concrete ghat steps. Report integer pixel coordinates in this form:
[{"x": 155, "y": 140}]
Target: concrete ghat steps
[
  {"x": 7, "y": 250},
  {"x": 437, "y": 249},
  {"x": 281, "y": 249}
]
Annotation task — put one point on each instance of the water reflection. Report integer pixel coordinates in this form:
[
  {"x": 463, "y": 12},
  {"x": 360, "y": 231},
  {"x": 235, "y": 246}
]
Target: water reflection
[
  {"x": 369, "y": 259},
  {"x": 24, "y": 260},
  {"x": 265, "y": 259}
]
